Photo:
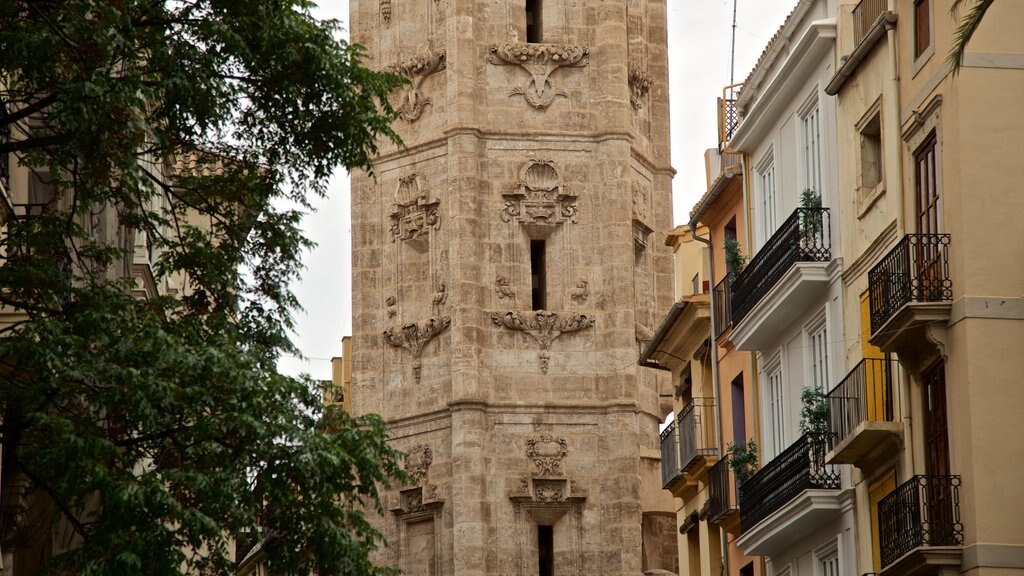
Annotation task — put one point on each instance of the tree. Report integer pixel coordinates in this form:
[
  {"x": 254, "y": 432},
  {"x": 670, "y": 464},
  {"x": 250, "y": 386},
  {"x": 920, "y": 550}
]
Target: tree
[
  {"x": 143, "y": 435},
  {"x": 968, "y": 26}
]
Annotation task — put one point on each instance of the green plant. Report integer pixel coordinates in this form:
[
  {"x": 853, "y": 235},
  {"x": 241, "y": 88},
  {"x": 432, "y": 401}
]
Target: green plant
[
  {"x": 810, "y": 217},
  {"x": 743, "y": 459},
  {"x": 734, "y": 260},
  {"x": 814, "y": 412}
]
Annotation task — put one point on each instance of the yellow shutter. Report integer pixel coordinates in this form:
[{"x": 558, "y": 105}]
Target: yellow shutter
[
  {"x": 875, "y": 375},
  {"x": 876, "y": 491}
]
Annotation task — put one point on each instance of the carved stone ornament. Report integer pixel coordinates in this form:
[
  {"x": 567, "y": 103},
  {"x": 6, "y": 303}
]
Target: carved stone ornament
[
  {"x": 413, "y": 214},
  {"x": 544, "y": 326},
  {"x": 581, "y": 292},
  {"x": 539, "y": 60},
  {"x": 441, "y": 296},
  {"x": 392, "y": 304},
  {"x": 546, "y": 452},
  {"x": 547, "y": 499},
  {"x": 418, "y": 460},
  {"x": 413, "y": 337},
  {"x": 539, "y": 199},
  {"x": 639, "y": 85},
  {"x": 502, "y": 289},
  {"x": 416, "y": 69},
  {"x": 641, "y": 215},
  {"x": 418, "y": 500},
  {"x": 385, "y": 10}
]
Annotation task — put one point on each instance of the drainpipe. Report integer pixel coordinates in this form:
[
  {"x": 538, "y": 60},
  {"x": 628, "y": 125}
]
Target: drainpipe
[{"x": 714, "y": 381}]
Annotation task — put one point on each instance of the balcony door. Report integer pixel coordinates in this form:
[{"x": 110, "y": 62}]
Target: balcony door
[
  {"x": 928, "y": 207},
  {"x": 938, "y": 491}
]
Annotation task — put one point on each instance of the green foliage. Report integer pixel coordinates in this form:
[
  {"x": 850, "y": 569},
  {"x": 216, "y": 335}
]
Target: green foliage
[
  {"x": 810, "y": 219},
  {"x": 155, "y": 428},
  {"x": 813, "y": 411},
  {"x": 743, "y": 459},
  {"x": 965, "y": 30},
  {"x": 734, "y": 260}
]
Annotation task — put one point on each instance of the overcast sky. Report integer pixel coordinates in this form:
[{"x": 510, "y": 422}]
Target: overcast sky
[{"x": 699, "y": 40}]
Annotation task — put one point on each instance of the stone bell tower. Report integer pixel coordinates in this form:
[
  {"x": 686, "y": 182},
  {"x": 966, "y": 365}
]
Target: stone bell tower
[{"x": 508, "y": 261}]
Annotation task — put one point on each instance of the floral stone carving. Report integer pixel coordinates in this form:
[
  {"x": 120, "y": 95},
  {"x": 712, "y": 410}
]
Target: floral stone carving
[
  {"x": 413, "y": 214},
  {"x": 413, "y": 337},
  {"x": 417, "y": 69},
  {"x": 539, "y": 60},
  {"x": 418, "y": 460},
  {"x": 546, "y": 452},
  {"x": 639, "y": 85},
  {"x": 544, "y": 326},
  {"x": 540, "y": 197}
]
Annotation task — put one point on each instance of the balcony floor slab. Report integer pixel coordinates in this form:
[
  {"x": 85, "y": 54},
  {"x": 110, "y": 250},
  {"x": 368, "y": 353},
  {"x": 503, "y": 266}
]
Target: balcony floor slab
[
  {"x": 868, "y": 441},
  {"x": 926, "y": 561},
  {"x": 804, "y": 282},
  {"x": 799, "y": 518}
]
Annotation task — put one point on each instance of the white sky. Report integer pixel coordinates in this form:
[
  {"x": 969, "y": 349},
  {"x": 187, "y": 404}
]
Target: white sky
[{"x": 699, "y": 39}]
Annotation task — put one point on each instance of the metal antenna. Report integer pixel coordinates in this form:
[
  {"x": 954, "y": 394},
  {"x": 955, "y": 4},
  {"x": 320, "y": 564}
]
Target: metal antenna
[{"x": 732, "y": 53}]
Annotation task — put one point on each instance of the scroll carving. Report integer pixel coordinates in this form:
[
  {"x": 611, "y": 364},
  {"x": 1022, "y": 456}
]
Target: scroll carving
[
  {"x": 546, "y": 452},
  {"x": 639, "y": 85},
  {"x": 503, "y": 289},
  {"x": 544, "y": 326},
  {"x": 417, "y": 69},
  {"x": 539, "y": 60},
  {"x": 414, "y": 213},
  {"x": 413, "y": 337},
  {"x": 385, "y": 10},
  {"x": 581, "y": 292},
  {"x": 540, "y": 197},
  {"x": 418, "y": 460}
]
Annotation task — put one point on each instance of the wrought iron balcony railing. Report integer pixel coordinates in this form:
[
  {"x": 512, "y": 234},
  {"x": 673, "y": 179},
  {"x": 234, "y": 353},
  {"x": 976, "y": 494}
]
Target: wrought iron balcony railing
[
  {"x": 800, "y": 467},
  {"x": 865, "y": 394},
  {"x": 864, "y": 15},
  {"x": 697, "y": 435},
  {"x": 915, "y": 270},
  {"x": 722, "y": 297},
  {"x": 804, "y": 237},
  {"x": 722, "y": 491},
  {"x": 669, "y": 455},
  {"x": 728, "y": 118},
  {"x": 923, "y": 511}
]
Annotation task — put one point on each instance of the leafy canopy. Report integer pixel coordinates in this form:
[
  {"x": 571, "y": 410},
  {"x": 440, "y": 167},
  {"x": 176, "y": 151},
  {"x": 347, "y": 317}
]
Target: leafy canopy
[{"x": 148, "y": 429}]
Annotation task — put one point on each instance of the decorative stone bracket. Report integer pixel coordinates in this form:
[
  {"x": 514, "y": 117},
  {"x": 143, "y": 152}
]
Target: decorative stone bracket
[
  {"x": 419, "y": 501},
  {"x": 639, "y": 85},
  {"x": 539, "y": 60},
  {"x": 547, "y": 494},
  {"x": 539, "y": 201},
  {"x": 414, "y": 337},
  {"x": 544, "y": 326},
  {"x": 413, "y": 214},
  {"x": 416, "y": 69}
]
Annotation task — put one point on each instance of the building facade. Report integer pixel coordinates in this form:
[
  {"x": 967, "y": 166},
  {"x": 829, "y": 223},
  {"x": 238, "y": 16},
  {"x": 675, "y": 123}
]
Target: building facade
[{"x": 506, "y": 271}]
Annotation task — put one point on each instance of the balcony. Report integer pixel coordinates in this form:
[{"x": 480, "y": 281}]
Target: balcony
[
  {"x": 723, "y": 500},
  {"x": 863, "y": 413},
  {"x": 670, "y": 472},
  {"x": 722, "y": 297},
  {"x": 698, "y": 442},
  {"x": 865, "y": 14},
  {"x": 919, "y": 526},
  {"x": 910, "y": 291},
  {"x": 790, "y": 270},
  {"x": 789, "y": 498}
]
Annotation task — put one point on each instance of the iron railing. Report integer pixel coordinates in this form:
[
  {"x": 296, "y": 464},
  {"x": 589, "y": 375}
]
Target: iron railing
[
  {"x": 867, "y": 393},
  {"x": 800, "y": 467},
  {"x": 722, "y": 491},
  {"x": 722, "y": 297},
  {"x": 923, "y": 511},
  {"x": 804, "y": 237},
  {"x": 865, "y": 14},
  {"x": 697, "y": 431},
  {"x": 669, "y": 454},
  {"x": 915, "y": 270}
]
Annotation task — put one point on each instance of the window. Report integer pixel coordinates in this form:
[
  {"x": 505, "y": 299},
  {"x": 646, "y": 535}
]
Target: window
[
  {"x": 747, "y": 570},
  {"x": 776, "y": 409},
  {"x": 696, "y": 284},
  {"x": 766, "y": 186},
  {"x": 739, "y": 418},
  {"x": 819, "y": 357},
  {"x": 828, "y": 563},
  {"x": 871, "y": 153},
  {"x": 538, "y": 279},
  {"x": 546, "y": 550},
  {"x": 922, "y": 26},
  {"x": 810, "y": 126},
  {"x": 926, "y": 188},
  {"x": 533, "y": 21}
]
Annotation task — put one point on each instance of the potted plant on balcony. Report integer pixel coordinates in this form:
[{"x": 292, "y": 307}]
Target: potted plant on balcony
[
  {"x": 810, "y": 218},
  {"x": 734, "y": 260},
  {"x": 814, "y": 423},
  {"x": 743, "y": 459}
]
